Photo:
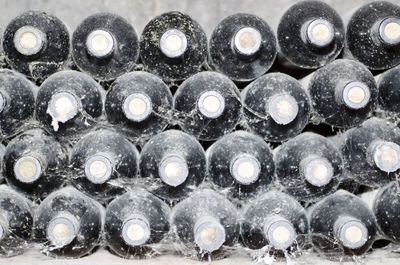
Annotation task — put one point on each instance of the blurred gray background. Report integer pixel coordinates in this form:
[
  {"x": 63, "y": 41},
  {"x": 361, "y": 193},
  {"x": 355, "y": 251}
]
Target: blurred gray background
[{"x": 139, "y": 12}]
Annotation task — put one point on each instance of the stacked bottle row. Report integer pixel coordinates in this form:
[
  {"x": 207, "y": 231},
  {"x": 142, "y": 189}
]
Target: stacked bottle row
[
  {"x": 69, "y": 224},
  {"x": 172, "y": 164},
  {"x": 173, "y": 46},
  {"x": 207, "y": 105}
]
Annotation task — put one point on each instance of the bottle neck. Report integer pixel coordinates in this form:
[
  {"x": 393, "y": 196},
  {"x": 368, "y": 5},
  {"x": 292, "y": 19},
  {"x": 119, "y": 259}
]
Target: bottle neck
[
  {"x": 209, "y": 234},
  {"x": 245, "y": 169},
  {"x": 354, "y": 95},
  {"x": 99, "y": 168},
  {"x": 283, "y": 108},
  {"x": 279, "y": 232},
  {"x": 173, "y": 44},
  {"x": 137, "y": 107},
  {"x": 385, "y": 155},
  {"x": 29, "y": 40},
  {"x": 318, "y": 33},
  {"x": 136, "y": 230},
  {"x": 63, "y": 106},
  {"x": 351, "y": 232},
  {"x": 246, "y": 42},
  {"x": 62, "y": 229},
  {"x": 100, "y": 44},
  {"x": 317, "y": 171},
  {"x": 29, "y": 168},
  {"x": 173, "y": 170},
  {"x": 387, "y": 31},
  {"x": 211, "y": 104}
]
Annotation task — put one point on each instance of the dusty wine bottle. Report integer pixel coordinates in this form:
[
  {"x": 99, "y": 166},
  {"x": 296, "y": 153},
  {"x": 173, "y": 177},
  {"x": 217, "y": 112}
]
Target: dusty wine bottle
[
  {"x": 276, "y": 107},
  {"x": 343, "y": 93},
  {"x": 34, "y": 164},
  {"x": 69, "y": 102},
  {"x": 36, "y": 44},
  {"x": 68, "y": 224},
  {"x": 16, "y": 221},
  {"x": 242, "y": 47},
  {"x": 140, "y": 104},
  {"x": 134, "y": 221},
  {"x": 308, "y": 166},
  {"x": 207, "y": 105},
  {"x": 373, "y": 35},
  {"x": 173, "y": 46},
  {"x": 104, "y": 164},
  {"x": 342, "y": 223},
  {"x": 17, "y": 102},
  {"x": 386, "y": 208},
  {"x": 206, "y": 221},
  {"x": 242, "y": 163},
  {"x": 174, "y": 163},
  {"x": 310, "y": 34},
  {"x": 371, "y": 152},
  {"x": 105, "y": 46},
  {"x": 389, "y": 98},
  {"x": 275, "y": 219}
]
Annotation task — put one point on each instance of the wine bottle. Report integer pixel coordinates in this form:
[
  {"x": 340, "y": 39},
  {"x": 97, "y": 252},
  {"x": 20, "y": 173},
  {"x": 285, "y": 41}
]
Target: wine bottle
[
  {"x": 275, "y": 219},
  {"x": 242, "y": 163},
  {"x": 17, "y": 102},
  {"x": 373, "y": 35},
  {"x": 134, "y": 221},
  {"x": 242, "y": 47},
  {"x": 173, "y": 46},
  {"x": 105, "y": 46},
  {"x": 310, "y": 34},
  {"x": 342, "y": 223},
  {"x": 104, "y": 164},
  {"x": 276, "y": 107},
  {"x": 34, "y": 164},
  {"x": 371, "y": 152},
  {"x": 16, "y": 221},
  {"x": 174, "y": 163},
  {"x": 36, "y": 44},
  {"x": 68, "y": 224},
  {"x": 343, "y": 93},
  {"x": 69, "y": 102},
  {"x": 308, "y": 167},
  {"x": 206, "y": 221},
  {"x": 389, "y": 98},
  {"x": 139, "y": 104},
  {"x": 207, "y": 105},
  {"x": 386, "y": 207}
]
